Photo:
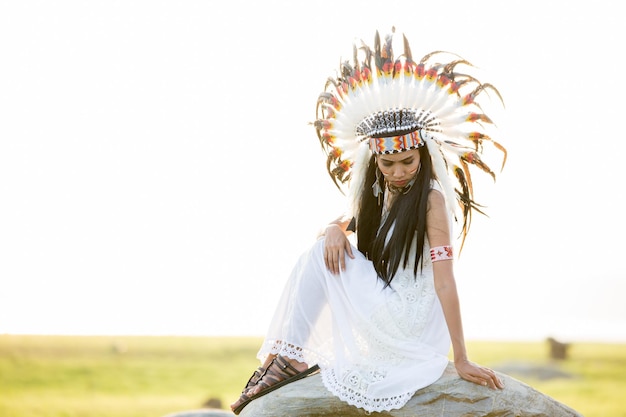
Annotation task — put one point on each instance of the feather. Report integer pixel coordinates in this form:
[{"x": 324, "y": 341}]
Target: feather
[{"x": 439, "y": 90}]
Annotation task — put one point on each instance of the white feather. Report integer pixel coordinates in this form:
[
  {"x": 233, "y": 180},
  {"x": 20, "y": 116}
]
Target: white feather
[{"x": 357, "y": 181}]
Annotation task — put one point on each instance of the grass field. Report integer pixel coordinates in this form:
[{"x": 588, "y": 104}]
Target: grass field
[{"x": 127, "y": 376}]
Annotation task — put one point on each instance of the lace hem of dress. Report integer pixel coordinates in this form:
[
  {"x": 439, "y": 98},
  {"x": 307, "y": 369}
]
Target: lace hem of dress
[
  {"x": 291, "y": 351},
  {"x": 359, "y": 399}
]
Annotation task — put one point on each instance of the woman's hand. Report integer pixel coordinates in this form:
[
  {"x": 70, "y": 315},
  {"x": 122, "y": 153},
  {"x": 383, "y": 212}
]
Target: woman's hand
[
  {"x": 336, "y": 245},
  {"x": 478, "y": 374}
]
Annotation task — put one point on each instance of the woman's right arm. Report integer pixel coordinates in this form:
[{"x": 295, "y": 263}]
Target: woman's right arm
[{"x": 336, "y": 244}]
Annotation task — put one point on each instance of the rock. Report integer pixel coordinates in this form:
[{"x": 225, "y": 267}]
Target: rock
[
  {"x": 450, "y": 396},
  {"x": 203, "y": 412}
]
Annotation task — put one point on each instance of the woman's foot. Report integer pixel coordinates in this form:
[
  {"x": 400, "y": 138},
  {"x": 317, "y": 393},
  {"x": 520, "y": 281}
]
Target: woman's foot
[
  {"x": 256, "y": 375},
  {"x": 280, "y": 372}
]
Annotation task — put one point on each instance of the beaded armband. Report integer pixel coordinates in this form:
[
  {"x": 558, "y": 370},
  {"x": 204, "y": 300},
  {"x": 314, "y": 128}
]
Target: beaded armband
[{"x": 441, "y": 253}]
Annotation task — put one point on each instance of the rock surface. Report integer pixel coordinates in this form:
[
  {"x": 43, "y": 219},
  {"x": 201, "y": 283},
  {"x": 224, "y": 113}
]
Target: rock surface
[{"x": 450, "y": 396}]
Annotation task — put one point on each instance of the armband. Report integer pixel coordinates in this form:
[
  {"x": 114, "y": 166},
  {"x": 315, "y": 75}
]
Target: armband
[{"x": 441, "y": 253}]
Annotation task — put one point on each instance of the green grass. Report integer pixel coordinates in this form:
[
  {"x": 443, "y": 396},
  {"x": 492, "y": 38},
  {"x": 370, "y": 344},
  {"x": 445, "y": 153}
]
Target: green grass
[
  {"x": 103, "y": 376},
  {"x": 132, "y": 376}
]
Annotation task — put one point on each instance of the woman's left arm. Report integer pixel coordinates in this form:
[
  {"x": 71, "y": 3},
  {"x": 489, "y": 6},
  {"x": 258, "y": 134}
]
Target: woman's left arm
[{"x": 438, "y": 232}]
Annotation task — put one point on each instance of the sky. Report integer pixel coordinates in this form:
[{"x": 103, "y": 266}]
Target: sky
[{"x": 159, "y": 176}]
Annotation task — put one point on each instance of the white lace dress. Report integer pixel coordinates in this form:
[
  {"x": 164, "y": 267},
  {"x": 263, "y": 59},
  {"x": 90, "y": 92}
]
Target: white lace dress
[{"x": 375, "y": 346}]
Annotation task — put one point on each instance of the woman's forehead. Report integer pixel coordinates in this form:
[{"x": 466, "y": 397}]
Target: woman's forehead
[{"x": 400, "y": 156}]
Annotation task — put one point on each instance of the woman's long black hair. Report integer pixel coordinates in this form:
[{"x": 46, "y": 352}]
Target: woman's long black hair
[{"x": 408, "y": 212}]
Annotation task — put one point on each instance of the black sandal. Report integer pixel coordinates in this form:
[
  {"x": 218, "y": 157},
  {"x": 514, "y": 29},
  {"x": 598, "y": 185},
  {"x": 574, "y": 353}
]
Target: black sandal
[{"x": 278, "y": 374}]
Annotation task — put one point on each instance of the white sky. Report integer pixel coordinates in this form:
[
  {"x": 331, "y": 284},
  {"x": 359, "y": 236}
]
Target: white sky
[{"x": 158, "y": 174}]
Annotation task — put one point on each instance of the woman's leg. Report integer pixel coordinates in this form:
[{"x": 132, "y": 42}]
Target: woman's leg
[{"x": 302, "y": 299}]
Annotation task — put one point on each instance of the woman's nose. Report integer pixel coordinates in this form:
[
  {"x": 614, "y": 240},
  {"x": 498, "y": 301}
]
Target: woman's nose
[{"x": 397, "y": 172}]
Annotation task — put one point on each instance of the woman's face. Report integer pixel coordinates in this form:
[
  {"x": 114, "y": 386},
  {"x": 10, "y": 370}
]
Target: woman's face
[{"x": 399, "y": 168}]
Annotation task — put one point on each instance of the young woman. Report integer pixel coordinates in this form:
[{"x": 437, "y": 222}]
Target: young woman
[{"x": 377, "y": 319}]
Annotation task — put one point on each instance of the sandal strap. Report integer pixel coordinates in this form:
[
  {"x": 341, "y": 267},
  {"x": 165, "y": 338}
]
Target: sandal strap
[
  {"x": 284, "y": 365},
  {"x": 256, "y": 375},
  {"x": 273, "y": 376},
  {"x": 244, "y": 398}
]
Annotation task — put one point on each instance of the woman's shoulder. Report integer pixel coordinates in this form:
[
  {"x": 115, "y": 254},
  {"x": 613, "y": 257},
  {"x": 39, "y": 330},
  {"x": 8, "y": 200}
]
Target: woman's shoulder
[
  {"x": 437, "y": 217},
  {"x": 434, "y": 185},
  {"x": 436, "y": 192},
  {"x": 437, "y": 210},
  {"x": 436, "y": 199}
]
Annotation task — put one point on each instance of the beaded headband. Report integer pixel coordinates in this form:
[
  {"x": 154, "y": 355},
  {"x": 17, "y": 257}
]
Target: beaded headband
[{"x": 391, "y": 131}]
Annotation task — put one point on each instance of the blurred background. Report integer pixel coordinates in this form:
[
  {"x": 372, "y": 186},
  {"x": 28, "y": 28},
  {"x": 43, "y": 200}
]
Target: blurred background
[{"x": 159, "y": 176}]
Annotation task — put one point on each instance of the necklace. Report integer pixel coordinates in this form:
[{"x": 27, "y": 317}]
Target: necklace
[{"x": 401, "y": 190}]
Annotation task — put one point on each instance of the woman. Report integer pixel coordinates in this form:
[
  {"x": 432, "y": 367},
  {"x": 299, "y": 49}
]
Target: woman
[{"x": 377, "y": 320}]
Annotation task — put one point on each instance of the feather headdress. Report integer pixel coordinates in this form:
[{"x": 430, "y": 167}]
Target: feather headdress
[{"x": 379, "y": 103}]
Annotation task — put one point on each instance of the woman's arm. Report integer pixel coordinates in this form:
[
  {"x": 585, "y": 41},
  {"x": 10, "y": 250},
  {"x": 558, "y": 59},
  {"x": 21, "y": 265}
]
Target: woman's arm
[
  {"x": 336, "y": 244},
  {"x": 438, "y": 232}
]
